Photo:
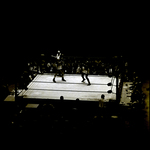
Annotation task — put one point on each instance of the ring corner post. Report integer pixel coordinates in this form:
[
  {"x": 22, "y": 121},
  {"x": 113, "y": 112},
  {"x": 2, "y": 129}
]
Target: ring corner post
[
  {"x": 117, "y": 94},
  {"x": 16, "y": 96}
]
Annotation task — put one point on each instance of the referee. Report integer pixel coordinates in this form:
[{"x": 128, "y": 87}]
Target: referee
[{"x": 59, "y": 67}]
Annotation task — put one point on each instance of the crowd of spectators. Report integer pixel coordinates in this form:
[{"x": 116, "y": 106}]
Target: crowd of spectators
[
  {"x": 137, "y": 94},
  {"x": 72, "y": 65}
]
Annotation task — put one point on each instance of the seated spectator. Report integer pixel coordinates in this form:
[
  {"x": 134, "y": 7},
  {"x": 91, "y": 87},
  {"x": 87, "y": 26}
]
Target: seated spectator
[
  {"x": 101, "y": 101},
  {"x": 78, "y": 70},
  {"x": 48, "y": 68}
]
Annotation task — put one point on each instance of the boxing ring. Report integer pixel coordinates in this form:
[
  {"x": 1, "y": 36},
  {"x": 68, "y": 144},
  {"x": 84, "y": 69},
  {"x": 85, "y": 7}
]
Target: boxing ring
[{"x": 42, "y": 87}]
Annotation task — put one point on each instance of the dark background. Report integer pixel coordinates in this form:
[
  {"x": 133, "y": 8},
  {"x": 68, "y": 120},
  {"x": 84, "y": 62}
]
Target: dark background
[{"x": 26, "y": 33}]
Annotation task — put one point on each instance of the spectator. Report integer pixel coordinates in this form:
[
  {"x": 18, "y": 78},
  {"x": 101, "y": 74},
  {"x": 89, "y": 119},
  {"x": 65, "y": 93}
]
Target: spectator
[
  {"x": 101, "y": 101},
  {"x": 78, "y": 70}
]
